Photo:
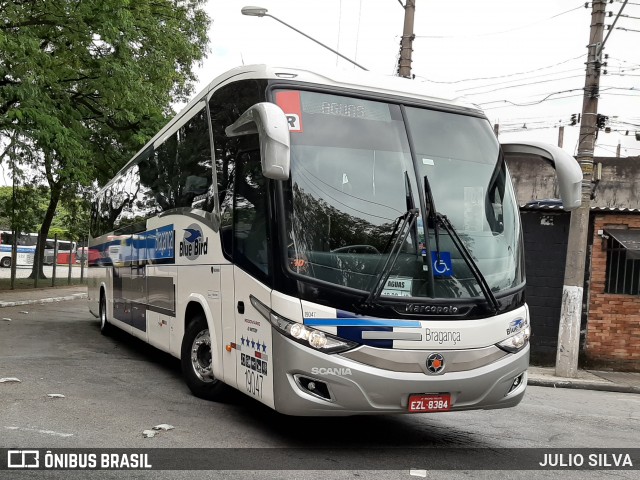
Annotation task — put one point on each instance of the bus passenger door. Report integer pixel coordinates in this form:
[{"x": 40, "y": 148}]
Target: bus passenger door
[{"x": 252, "y": 277}]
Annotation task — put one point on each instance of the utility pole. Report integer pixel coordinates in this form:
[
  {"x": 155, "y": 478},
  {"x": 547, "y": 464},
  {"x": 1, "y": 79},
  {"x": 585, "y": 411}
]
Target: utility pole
[
  {"x": 572, "y": 291},
  {"x": 406, "y": 44}
]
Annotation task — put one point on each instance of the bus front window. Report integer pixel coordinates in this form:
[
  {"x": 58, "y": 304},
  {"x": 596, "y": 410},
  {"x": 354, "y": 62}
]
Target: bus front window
[{"x": 353, "y": 181}]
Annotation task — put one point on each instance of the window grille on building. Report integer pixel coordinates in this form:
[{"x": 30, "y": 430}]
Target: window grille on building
[{"x": 623, "y": 262}]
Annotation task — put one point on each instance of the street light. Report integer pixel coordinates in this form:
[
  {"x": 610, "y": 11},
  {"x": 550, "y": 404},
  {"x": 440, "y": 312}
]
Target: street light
[
  {"x": 254, "y": 11},
  {"x": 262, "y": 12}
]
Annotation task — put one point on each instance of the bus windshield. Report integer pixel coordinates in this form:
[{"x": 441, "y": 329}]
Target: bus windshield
[{"x": 353, "y": 180}]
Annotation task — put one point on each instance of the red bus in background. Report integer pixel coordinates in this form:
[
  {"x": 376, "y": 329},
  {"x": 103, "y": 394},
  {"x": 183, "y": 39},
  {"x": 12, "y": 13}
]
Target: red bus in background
[{"x": 65, "y": 248}]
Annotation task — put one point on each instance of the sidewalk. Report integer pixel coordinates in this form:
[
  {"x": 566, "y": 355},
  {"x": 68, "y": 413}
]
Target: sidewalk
[
  {"x": 538, "y": 376},
  {"x": 624, "y": 382},
  {"x": 29, "y": 296}
]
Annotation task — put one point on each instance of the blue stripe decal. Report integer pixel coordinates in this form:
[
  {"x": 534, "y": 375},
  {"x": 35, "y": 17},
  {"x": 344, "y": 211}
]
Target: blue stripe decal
[
  {"x": 149, "y": 247},
  {"x": 21, "y": 248},
  {"x": 360, "y": 322}
]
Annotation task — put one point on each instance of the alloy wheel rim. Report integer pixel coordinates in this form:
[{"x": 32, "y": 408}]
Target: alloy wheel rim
[{"x": 201, "y": 360}]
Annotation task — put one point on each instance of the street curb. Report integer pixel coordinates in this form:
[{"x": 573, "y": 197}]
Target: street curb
[
  {"x": 602, "y": 387},
  {"x": 43, "y": 300}
]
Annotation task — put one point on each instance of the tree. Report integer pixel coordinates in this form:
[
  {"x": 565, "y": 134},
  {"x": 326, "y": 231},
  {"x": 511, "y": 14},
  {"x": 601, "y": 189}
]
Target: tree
[
  {"x": 71, "y": 220},
  {"x": 28, "y": 203},
  {"x": 88, "y": 82}
]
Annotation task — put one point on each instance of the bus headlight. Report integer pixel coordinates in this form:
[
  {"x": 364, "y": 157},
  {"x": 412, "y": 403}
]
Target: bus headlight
[
  {"x": 517, "y": 342},
  {"x": 310, "y": 337}
]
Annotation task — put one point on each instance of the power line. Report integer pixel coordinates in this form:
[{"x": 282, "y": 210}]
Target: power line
[
  {"x": 525, "y": 78},
  {"x": 623, "y": 61},
  {"x": 606, "y": 149},
  {"x": 622, "y": 94},
  {"x": 615, "y": 146},
  {"x": 503, "y": 31},
  {"x": 545, "y": 99},
  {"x": 605, "y": 90},
  {"x": 627, "y": 29},
  {"x": 523, "y": 85},
  {"x": 622, "y": 122},
  {"x": 503, "y": 76}
]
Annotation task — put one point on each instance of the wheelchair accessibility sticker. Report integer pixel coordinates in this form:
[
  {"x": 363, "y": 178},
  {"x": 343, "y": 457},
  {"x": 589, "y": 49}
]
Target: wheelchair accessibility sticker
[{"x": 442, "y": 267}]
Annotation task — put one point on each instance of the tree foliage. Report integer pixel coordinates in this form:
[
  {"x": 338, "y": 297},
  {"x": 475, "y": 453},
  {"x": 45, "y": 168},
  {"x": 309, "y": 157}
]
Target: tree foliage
[
  {"x": 89, "y": 81},
  {"x": 28, "y": 210},
  {"x": 70, "y": 222}
]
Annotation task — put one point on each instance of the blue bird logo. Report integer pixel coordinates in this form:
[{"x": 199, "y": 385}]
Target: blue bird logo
[
  {"x": 516, "y": 325},
  {"x": 193, "y": 235}
]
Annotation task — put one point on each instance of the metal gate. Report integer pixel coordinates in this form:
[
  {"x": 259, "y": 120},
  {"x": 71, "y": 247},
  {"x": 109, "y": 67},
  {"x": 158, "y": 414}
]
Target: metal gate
[{"x": 545, "y": 243}]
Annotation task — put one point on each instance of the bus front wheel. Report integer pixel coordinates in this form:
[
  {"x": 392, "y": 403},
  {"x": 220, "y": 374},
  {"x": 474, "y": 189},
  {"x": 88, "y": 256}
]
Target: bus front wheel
[
  {"x": 197, "y": 361},
  {"x": 5, "y": 262}
]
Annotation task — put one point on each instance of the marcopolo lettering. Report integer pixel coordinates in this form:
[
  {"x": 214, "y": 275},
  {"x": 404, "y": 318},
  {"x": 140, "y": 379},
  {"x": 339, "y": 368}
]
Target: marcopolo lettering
[
  {"x": 437, "y": 309},
  {"x": 193, "y": 243}
]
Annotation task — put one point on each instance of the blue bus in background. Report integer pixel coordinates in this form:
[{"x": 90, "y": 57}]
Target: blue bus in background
[{"x": 26, "y": 248}]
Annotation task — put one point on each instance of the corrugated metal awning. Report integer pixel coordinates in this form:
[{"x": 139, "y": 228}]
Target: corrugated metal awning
[{"x": 629, "y": 239}]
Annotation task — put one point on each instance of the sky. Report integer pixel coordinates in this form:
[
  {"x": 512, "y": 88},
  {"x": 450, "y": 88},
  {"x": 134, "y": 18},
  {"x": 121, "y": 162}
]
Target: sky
[{"x": 519, "y": 52}]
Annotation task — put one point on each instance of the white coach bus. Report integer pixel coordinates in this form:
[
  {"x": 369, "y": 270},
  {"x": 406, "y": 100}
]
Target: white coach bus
[
  {"x": 26, "y": 248},
  {"x": 328, "y": 244}
]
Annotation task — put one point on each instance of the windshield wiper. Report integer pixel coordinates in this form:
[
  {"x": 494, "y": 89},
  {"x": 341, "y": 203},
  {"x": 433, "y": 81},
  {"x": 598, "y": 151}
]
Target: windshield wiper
[
  {"x": 408, "y": 220},
  {"x": 440, "y": 219},
  {"x": 410, "y": 206}
]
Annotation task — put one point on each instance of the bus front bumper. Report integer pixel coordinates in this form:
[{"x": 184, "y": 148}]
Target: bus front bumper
[{"x": 355, "y": 388}]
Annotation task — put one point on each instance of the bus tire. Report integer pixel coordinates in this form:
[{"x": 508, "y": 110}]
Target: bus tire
[
  {"x": 105, "y": 326},
  {"x": 5, "y": 262},
  {"x": 196, "y": 361}
]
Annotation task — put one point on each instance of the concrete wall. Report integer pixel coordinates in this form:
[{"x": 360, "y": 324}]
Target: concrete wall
[{"x": 619, "y": 187}]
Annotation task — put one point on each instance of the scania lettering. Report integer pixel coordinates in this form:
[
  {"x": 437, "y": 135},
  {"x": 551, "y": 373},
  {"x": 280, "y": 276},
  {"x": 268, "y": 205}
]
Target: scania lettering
[{"x": 327, "y": 243}]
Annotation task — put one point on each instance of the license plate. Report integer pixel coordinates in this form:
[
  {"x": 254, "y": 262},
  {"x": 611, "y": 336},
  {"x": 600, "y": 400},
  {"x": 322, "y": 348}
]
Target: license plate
[{"x": 440, "y": 402}]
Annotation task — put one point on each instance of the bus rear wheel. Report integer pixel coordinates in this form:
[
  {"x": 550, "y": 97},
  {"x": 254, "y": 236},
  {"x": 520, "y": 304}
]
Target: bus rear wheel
[
  {"x": 5, "y": 262},
  {"x": 197, "y": 361}
]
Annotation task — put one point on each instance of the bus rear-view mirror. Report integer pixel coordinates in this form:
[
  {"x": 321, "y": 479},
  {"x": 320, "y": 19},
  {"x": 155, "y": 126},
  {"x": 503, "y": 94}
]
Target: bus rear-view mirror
[
  {"x": 568, "y": 171},
  {"x": 270, "y": 123}
]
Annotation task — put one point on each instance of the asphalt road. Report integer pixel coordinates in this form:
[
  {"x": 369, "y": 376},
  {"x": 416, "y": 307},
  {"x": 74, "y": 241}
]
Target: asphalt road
[{"x": 117, "y": 387}]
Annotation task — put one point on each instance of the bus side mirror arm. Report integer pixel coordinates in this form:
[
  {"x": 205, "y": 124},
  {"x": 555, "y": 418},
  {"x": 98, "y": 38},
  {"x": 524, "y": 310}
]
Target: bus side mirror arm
[
  {"x": 270, "y": 123},
  {"x": 567, "y": 169}
]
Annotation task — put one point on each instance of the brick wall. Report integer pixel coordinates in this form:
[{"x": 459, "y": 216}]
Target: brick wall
[{"x": 613, "y": 328}]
